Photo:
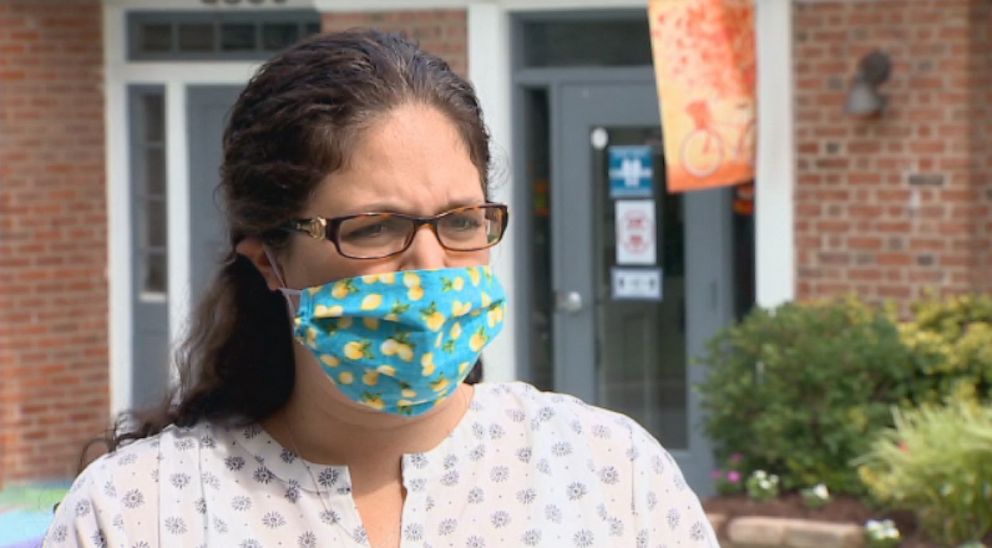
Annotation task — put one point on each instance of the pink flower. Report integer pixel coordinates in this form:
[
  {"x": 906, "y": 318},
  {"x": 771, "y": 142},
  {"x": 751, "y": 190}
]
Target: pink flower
[{"x": 733, "y": 476}]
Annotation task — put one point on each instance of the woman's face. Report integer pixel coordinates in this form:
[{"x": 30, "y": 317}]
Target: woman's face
[{"x": 411, "y": 160}]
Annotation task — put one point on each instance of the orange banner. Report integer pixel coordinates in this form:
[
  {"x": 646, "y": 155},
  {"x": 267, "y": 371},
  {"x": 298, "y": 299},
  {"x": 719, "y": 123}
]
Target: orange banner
[{"x": 704, "y": 62}]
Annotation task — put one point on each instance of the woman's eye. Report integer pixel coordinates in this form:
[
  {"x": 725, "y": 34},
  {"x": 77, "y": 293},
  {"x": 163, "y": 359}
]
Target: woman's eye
[
  {"x": 366, "y": 232},
  {"x": 463, "y": 223}
]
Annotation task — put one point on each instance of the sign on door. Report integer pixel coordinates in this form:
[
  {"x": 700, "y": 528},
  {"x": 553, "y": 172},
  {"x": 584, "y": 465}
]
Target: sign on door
[{"x": 635, "y": 232}]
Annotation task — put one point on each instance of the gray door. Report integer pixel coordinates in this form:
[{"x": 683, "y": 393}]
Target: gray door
[
  {"x": 626, "y": 322},
  {"x": 149, "y": 245},
  {"x": 207, "y": 111}
]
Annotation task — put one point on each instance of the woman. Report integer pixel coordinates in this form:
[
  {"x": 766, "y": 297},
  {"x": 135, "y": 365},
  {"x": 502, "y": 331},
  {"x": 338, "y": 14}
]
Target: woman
[{"x": 326, "y": 395}]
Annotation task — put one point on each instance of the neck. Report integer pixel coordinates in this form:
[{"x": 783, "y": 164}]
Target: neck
[{"x": 323, "y": 426}]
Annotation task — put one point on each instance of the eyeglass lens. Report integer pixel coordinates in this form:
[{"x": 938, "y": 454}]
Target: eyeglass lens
[{"x": 382, "y": 234}]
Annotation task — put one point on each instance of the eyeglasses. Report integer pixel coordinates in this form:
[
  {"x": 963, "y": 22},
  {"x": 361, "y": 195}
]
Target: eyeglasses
[{"x": 378, "y": 235}]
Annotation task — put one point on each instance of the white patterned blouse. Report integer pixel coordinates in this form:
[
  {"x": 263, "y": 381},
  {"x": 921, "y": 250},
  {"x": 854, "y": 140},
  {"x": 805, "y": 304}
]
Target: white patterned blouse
[{"x": 522, "y": 468}]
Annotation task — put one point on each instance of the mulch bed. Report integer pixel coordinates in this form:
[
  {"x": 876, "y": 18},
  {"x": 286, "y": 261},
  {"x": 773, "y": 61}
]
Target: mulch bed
[{"x": 840, "y": 510}]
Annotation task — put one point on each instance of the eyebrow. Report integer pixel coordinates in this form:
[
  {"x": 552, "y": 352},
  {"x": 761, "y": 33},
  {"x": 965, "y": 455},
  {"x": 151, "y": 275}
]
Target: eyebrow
[{"x": 386, "y": 207}]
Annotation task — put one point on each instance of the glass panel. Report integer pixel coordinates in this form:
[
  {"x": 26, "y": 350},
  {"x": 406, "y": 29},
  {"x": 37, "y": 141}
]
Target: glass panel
[
  {"x": 642, "y": 346},
  {"x": 153, "y": 105},
  {"x": 155, "y": 272},
  {"x": 156, "y": 37},
  {"x": 312, "y": 28},
  {"x": 155, "y": 171},
  {"x": 625, "y": 42},
  {"x": 539, "y": 175},
  {"x": 237, "y": 37},
  {"x": 196, "y": 37},
  {"x": 155, "y": 228},
  {"x": 276, "y": 36}
]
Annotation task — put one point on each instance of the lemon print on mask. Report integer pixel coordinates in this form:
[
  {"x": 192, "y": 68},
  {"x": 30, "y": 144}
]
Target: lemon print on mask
[
  {"x": 406, "y": 391},
  {"x": 323, "y": 311},
  {"x": 462, "y": 367},
  {"x": 478, "y": 340},
  {"x": 495, "y": 316},
  {"x": 412, "y": 282},
  {"x": 371, "y": 302},
  {"x": 374, "y": 401},
  {"x": 427, "y": 364},
  {"x": 329, "y": 360},
  {"x": 394, "y": 313},
  {"x": 343, "y": 288},
  {"x": 404, "y": 407},
  {"x": 456, "y": 284},
  {"x": 473, "y": 275},
  {"x": 311, "y": 336},
  {"x": 371, "y": 323},
  {"x": 346, "y": 377},
  {"x": 370, "y": 378},
  {"x": 399, "y": 345},
  {"x": 486, "y": 300},
  {"x": 456, "y": 331},
  {"x": 386, "y": 370},
  {"x": 440, "y": 385},
  {"x": 389, "y": 278},
  {"x": 459, "y": 309},
  {"x": 433, "y": 318},
  {"x": 356, "y": 350}
]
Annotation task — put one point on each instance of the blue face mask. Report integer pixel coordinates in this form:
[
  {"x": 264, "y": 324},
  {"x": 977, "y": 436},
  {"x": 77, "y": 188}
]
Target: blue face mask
[{"x": 401, "y": 342}]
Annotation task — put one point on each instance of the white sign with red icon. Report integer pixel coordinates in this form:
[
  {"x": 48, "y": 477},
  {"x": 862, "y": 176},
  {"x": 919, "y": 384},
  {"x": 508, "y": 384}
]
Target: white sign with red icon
[{"x": 635, "y": 232}]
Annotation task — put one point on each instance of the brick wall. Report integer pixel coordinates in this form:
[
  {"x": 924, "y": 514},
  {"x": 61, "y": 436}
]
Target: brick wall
[
  {"x": 888, "y": 208},
  {"x": 441, "y": 32},
  {"x": 53, "y": 236}
]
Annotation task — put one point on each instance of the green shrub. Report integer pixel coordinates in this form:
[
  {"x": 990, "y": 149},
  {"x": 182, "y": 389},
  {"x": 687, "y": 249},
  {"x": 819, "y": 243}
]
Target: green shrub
[
  {"x": 937, "y": 461},
  {"x": 799, "y": 389},
  {"x": 951, "y": 344}
]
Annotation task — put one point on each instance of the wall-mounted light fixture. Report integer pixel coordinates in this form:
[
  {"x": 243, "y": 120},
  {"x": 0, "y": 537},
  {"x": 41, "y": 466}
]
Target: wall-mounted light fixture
[{"x": 863, "y": 99}]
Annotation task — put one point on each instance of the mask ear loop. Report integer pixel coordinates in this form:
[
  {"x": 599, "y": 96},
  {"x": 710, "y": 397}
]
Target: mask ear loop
[{"x": 288, "y": 293}]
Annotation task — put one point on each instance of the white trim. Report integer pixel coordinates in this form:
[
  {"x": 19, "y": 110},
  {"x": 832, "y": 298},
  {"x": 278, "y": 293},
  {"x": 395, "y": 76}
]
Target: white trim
[
  {"x": 177, "y": 211},
  {"x": 198, "y": 5},
  {"x": 775, "y": 266},
  {"x": 504, "y": 5},
  {"x": 489, "y": 70},
  {"x": 119, "y": 324}
]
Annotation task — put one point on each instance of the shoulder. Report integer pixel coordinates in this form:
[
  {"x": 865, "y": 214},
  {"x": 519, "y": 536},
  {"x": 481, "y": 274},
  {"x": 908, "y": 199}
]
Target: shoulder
[{"x": 117, "y": 489}]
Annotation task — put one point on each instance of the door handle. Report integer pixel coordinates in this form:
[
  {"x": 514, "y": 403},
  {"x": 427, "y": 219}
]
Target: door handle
[{"x": 569, "y": 302}]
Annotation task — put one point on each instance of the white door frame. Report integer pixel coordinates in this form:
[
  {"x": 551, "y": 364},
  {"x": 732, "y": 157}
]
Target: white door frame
[{"x": 174, "y": 76}]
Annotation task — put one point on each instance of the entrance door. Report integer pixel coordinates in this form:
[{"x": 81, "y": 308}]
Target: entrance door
[
  {"x": 641, "y": 277},
  {"x": 207, "y": 111}
]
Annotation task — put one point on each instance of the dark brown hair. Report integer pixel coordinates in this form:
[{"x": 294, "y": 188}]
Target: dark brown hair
[{"x": 293, "y": 124}]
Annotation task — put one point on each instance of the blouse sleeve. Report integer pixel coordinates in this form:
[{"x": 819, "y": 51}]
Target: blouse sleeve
[
  {"x": 112, "y": 503},
  {"x": 666, "y": 511},
  {"x": 81, "y": 519}
]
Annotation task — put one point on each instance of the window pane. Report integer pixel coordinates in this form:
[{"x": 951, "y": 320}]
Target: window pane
[
  {"x": 196, "y": 37},
  {"x": 276, "y": 36},
  {"x": 237, "y": 37},
  {"x": 312, "y": 28},
  {"x": 155, "y": 229},
  {"x": 155, "y": 172},
  {"x": 156, "y": 37},
  {"x": 154, "y": 107},
  {"x": 155, "y": 272},
  {"x": 587, "y": 43}
]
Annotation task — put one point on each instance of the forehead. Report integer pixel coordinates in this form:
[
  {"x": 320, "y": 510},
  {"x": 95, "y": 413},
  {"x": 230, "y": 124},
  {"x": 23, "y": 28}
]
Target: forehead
[{"x": 412, "y": 159}]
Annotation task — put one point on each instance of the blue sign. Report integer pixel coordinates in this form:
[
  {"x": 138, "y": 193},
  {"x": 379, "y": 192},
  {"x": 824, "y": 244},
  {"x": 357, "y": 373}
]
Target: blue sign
[{"x": 631, "y": 173}]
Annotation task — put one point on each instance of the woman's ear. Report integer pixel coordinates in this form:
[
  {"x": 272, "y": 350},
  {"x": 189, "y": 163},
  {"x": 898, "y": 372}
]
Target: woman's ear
[{"x": 254, "y": 250}]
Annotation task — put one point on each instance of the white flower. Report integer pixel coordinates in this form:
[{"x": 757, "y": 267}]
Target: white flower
[{"x": 820, "y": 491}]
